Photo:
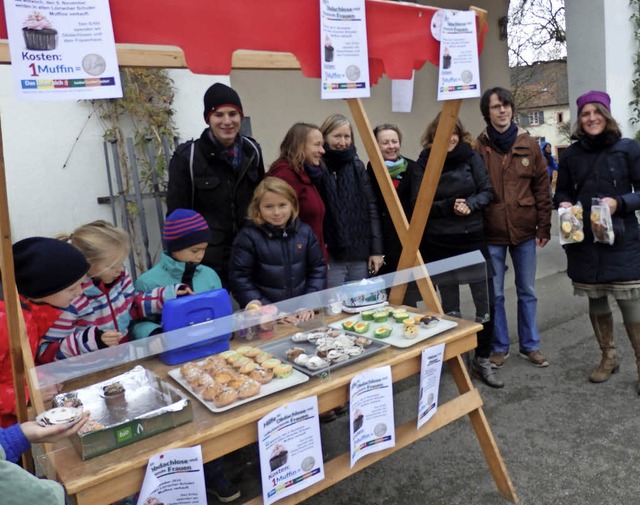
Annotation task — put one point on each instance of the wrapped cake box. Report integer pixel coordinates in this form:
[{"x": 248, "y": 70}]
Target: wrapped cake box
[
  {"x": 363, "y": 294},
  {"x": 146, "y": 407}
]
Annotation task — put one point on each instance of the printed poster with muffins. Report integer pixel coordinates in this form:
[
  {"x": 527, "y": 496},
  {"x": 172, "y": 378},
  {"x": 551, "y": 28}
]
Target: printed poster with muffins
[
  {"x": 371, "y": 413},
  {"x": 174, "y": 476},
  {"x": 62, "y": 50},
  {"x": 290, "y": 449}
]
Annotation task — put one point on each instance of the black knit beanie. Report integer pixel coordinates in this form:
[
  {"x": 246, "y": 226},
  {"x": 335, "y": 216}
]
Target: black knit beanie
[
  {"x": 45, "y": 266},
  {"x": 220, "y": 95}
]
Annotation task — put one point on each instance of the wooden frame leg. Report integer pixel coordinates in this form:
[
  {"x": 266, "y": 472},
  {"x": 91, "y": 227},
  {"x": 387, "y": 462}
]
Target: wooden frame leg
[{"x": 483, "y": 433}]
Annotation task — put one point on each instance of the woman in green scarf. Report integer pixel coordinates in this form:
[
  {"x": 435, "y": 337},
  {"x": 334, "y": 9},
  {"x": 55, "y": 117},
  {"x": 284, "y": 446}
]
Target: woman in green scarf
[{"x": 400, "y": 170}]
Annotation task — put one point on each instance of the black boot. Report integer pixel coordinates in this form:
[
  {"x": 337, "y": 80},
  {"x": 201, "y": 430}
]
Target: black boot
[{"x": 481, "y": 369}]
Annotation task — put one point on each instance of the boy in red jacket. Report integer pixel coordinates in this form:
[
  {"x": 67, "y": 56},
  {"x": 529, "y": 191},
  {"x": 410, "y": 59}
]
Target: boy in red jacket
[{"x": 49, "y": 273}]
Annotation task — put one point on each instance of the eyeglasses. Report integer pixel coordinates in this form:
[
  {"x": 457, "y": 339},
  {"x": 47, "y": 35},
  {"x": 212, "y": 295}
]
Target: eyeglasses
[{"x": 500, "y": 106}]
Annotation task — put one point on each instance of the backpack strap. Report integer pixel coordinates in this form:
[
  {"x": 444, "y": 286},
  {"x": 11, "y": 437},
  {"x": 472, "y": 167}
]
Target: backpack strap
[{"x": 193, "y": 185}]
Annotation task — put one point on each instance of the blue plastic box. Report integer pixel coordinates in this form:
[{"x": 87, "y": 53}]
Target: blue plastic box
[{"x": 194, "y": 309}]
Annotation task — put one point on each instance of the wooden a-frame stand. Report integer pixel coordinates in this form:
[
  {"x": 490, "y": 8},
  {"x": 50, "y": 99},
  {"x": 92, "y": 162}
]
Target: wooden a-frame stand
[{"x": 410, "y": 235}]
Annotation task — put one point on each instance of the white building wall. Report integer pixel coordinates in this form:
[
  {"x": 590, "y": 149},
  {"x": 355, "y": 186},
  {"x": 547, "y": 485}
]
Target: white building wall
[
  {"x": 49, "y": 193},
  {"x": 600, "y": 54}
]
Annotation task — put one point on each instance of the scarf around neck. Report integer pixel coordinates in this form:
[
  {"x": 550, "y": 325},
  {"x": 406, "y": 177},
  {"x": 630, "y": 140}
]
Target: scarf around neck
[
  {"x": 505, "y": 140},
  {"x": 396, "y": 168},
  {"x": 231, "y": 154}
]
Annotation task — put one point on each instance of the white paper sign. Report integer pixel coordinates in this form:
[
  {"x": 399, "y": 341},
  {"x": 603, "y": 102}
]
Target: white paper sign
[
  {"x": 344, "y": 52},
  {"x": 62, "y": 50},
  {"x": 430, "y": 372},
  {"x": 402, "y": 94},
  {"x": 174, "y": 476},
  {"x": 290, "y": 449},
  {"x": 459, "y": 72},
  {"x": 372, "y": 427}
]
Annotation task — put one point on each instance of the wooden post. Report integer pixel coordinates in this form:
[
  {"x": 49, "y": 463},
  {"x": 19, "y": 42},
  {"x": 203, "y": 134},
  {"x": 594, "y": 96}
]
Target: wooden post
[
  {"x": 393, "y": 205},
  {"x": 13, "y": 311}
]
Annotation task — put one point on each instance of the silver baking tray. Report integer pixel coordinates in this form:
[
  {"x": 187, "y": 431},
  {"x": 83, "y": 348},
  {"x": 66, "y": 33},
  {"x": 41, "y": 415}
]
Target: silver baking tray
[
  {"x": 149, "y": 406},
  {"x": 279, "y": 349}
]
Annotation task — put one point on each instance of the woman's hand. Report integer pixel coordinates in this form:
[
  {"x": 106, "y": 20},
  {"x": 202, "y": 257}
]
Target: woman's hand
[
  {"x": 565, "y": 205},
  {"x": 375, "y": 263},
  {"x": 612, "y": 203},
  {"x": 37, "y": 434},
  {"x": 460, "y": 207}
]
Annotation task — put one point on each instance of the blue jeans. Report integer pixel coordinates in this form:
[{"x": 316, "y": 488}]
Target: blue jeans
[
  {"x": 346, "y": 271},
  {"x": 523, "y": 257}
]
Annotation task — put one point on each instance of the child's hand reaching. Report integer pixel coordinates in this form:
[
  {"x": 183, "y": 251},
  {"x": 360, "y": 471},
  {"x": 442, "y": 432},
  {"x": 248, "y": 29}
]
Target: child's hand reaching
[
  {"x": 111, "y": 337},
  {"x": 184, "y": 290}
]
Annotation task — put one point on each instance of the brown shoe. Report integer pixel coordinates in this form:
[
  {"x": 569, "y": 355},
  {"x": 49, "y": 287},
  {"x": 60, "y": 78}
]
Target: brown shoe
[
  {"x": 536, "y": 357},
  {"x": 497, "y": 359}
]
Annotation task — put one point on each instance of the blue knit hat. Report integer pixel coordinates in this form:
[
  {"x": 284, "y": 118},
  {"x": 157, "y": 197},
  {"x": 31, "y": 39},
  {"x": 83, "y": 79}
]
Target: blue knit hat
[
  {"x": 45, "y": 266},
  {"x": 184, "y": 228}
]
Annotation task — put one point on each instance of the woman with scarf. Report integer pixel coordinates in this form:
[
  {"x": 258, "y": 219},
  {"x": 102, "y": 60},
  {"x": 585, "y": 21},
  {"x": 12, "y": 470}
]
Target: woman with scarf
[
  {"x": 401, "y": 169},
  {"x": 455, "y": 227},
  {"x": 600, "y": 163},
  {"x": 352, "y": 229},
  {"x": 300, "y": 155}
]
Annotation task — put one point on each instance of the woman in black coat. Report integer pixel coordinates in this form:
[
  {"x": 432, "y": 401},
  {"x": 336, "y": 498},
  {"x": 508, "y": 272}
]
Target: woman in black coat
[
  {"x": 275, "y": 256},
  {"x": 352, "y": 225},
  {"x": 600, "y": 163},
  {"x": 455, "y": 227}
]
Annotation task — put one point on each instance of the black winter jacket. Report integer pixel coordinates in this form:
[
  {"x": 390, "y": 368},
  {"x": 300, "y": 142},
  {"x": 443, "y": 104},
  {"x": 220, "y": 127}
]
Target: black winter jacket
[
  {"x": 609, "y": 170},
  {"x": 218, "y": 192},
  {"x": 271, "y": 264},
  {"x": 466, "y": 179},
  {"x": 392, "y": 245}
]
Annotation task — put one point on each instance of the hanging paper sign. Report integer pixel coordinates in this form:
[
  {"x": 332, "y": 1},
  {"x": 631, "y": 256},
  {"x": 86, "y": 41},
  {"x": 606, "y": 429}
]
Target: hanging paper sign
[
  {"x": 174, "y": 476},
  {"x": 344, "y": 53},
  {"x": 62, "y": 50},
  {"x": 430, "y": 372},
  {"x": 459, "y": 71},
  {"x": 290, "y": 449},
  {"x": 371, "y": 413}
]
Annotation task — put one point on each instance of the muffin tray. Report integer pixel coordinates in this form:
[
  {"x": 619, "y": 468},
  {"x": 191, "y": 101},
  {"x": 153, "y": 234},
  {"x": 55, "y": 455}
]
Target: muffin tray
[
  {"x": 279, "y": 350},
  {"x": 266, "y": 389},
  {"x": 397, "y": 338}
]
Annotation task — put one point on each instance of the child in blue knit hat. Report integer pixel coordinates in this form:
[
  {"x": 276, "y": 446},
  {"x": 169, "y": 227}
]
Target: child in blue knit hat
[{"x": 185, "y": 237}]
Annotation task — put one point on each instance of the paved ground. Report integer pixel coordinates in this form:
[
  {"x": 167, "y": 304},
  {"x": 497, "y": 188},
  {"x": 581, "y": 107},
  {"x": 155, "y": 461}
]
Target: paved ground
[{"x": 564, "y": 440}]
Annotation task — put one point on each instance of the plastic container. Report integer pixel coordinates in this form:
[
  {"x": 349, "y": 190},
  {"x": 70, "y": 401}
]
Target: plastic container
[{"x": 194, "y": 309}]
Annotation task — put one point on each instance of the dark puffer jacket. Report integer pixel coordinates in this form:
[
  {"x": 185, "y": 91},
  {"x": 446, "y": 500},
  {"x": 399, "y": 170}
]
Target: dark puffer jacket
[
  {"x": 218, "y": 192},
  {"x": 610, "y": 170},
  {"x": 272, "y": 264}
]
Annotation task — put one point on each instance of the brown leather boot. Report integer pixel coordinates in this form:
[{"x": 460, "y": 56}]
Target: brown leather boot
[
  {"x": 603, "y": 328},
  {"x": 633, "y": 330}
]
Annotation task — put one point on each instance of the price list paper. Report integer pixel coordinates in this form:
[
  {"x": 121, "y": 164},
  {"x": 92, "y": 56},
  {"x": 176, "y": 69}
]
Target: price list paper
[
  {"x": 430, "y": 372},
  {"x": 62, "y": 49},
  {"x": 372, "y": 427},
  {"x": 290, "y": 449}
]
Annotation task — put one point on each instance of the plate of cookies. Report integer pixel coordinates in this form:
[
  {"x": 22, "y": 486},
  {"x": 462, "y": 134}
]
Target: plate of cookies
[{"x": 235, "y": 377}]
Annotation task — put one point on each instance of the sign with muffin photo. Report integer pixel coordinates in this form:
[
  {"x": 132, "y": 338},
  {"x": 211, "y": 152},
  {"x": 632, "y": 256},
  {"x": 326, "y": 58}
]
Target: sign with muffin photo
[
  {"x": 371, "y": 413},
  {"x": 290, "y": 449},
  {"x": 174, "y": 476},
  {"x": 62, "y": 50}
]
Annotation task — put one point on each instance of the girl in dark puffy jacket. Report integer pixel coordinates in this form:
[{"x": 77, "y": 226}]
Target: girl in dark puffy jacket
[{"x": 275, "y": 256}]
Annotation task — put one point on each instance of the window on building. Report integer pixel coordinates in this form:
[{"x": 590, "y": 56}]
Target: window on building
[
  {"x": 560, "y": 117},
  {"x": 535, "y": 118}
]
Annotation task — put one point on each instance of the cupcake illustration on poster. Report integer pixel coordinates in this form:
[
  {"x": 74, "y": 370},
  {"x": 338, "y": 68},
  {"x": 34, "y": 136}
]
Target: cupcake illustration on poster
[{"x": 39, "y": 34}]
